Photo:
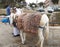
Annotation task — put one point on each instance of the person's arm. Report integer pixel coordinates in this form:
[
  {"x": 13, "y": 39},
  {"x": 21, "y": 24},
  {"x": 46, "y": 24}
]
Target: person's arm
[
  {"x": 11, "y": 19},
  {"x": 4, "y": 16},
  {"x": 7, "y": 16}
]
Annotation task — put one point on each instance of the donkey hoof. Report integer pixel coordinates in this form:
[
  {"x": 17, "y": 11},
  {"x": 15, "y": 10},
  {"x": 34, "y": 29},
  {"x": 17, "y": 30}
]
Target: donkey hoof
[
  {"x": 35, "y": 46},
  {"x": 32, "y": 46},
  {"x": 23, "y": 43}
]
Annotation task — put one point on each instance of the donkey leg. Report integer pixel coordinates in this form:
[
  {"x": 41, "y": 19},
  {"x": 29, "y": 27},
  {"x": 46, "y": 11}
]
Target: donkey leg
[
  {"x": 41, "y": 37},
  {"x": 46, "y": 31},
  {"x": 22, "y": 37}
]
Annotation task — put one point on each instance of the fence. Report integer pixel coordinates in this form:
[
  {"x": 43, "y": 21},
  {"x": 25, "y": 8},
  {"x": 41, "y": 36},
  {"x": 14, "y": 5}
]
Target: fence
[
  {"x": 55, "y": 18},
  {"x": 2, "y": 11}
]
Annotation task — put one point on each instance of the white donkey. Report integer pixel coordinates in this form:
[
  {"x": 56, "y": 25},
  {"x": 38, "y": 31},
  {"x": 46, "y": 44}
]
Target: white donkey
[{"x": 44, "y": 24}]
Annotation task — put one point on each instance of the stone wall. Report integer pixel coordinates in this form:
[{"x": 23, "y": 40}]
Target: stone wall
[
  {"x": 54, "y": 36},
  {"x": 2, "y": 11}
]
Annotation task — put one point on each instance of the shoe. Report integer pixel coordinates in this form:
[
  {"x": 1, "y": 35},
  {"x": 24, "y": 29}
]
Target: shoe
[{"x": 16, "y": 35}]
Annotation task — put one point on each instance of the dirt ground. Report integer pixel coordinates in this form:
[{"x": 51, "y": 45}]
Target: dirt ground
[{"x": 7, "y": 39}]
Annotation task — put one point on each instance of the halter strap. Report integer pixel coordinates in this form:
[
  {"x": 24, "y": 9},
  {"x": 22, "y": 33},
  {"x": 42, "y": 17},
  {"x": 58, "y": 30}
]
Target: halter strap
[{"x": 41, "y": 27}]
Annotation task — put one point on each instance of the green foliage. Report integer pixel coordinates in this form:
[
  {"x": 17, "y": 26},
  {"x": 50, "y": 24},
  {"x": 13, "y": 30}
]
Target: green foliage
[
  {"x": 41, "y": 4},
  {"x": 55, "y": 1},
  {"x": 17, "y": 5},
  {"x": 3, "y": 3},
  {"x": 32, "y": 5},
  {"x": 0, "y": 1}
]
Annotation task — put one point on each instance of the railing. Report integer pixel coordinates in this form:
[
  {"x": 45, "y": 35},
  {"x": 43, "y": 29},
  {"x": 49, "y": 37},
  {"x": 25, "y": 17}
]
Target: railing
[{"x": 55, "y": 18}]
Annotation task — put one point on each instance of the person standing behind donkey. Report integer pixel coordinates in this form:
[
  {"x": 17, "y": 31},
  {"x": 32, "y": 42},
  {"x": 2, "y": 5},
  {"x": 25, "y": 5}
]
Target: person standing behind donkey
[
  {"x": 13, "y": 15},
  {"x": 8, "y": 10},
  {"x": 8, "y": 13},
  {"x": 6, "y": 19}
]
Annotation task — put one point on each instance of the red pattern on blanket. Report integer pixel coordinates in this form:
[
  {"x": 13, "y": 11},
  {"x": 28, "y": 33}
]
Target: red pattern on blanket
[{"x": 30, "y": 22}]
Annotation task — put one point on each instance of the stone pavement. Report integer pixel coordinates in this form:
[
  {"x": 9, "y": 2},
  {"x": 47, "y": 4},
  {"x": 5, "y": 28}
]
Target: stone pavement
[{"x": 7, "y": 40}]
